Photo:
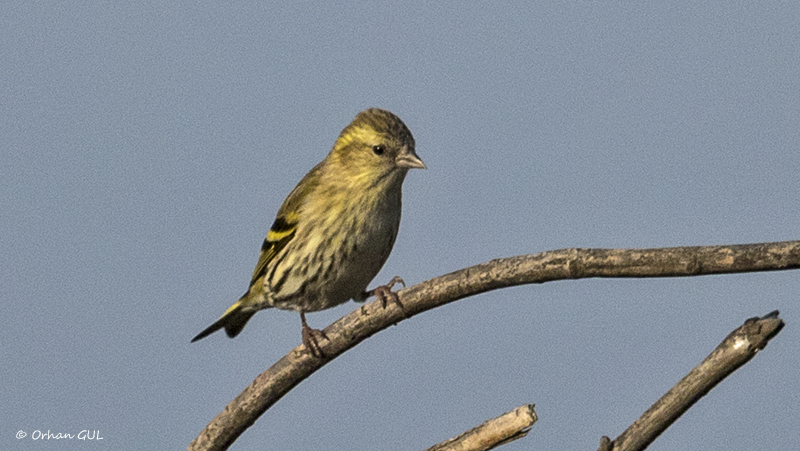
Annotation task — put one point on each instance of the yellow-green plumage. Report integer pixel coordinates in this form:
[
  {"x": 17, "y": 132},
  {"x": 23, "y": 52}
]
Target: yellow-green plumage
[{"x": 336, "y": 228}]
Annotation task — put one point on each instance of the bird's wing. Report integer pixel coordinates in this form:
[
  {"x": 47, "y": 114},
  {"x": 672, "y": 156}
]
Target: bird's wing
[
  {"x": 285, "y": 225},
  {"x": 279, "y": 235}
]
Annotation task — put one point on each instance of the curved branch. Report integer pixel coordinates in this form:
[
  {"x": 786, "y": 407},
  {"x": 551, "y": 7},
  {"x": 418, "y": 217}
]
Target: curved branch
[{"x": 563, "y": 264}]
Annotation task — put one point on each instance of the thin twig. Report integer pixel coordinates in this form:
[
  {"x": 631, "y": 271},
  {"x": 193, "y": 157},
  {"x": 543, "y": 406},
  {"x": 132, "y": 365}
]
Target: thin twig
[
  {"x": 492, "y": 433},
  {"x": 736, "y": 349}
]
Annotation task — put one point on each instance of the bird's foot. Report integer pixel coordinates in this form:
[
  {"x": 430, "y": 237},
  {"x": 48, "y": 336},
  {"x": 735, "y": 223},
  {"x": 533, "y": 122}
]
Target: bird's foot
[
  {"x": 311, "y": 338},
  {"x": 385, "y": 294}
]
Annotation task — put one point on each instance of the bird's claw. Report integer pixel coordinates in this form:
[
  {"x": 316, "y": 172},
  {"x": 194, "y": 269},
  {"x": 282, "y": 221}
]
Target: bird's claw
[
  {"x": 311, "y": 339},
  {"x": 385, "y": 294}
]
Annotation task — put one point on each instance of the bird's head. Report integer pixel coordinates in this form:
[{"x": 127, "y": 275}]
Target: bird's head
[{"x": 376, "y": 145}]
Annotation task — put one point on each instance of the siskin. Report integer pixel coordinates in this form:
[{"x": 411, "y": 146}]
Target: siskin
[{"x": 335, "y": 230}]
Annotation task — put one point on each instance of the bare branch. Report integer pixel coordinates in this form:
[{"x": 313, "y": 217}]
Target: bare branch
[
  {"x": 360, "y": 324},
  {"x": 736, "y": 349},
  {"x": 492, "y": 433}
]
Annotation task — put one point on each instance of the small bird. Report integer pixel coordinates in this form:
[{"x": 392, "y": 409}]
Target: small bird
[{"x": 335, "y": 230}]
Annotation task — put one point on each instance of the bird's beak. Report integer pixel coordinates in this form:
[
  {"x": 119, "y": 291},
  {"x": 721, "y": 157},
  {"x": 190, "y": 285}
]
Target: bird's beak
[{"x": 408, "y": 159}]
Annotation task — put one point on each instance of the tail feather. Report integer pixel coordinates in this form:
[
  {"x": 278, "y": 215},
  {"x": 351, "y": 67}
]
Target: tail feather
[{"x": 233, "y": 320}]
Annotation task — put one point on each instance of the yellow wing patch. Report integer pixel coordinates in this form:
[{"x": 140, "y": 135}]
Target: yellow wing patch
[{"x": 277, "y": 238}]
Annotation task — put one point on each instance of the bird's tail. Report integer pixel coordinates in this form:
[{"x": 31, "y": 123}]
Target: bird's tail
[{"x": 233, "y": 320}]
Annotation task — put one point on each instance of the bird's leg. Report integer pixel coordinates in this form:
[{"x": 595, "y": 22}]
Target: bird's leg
[
  {"x": 385, "y": 294},
  {"x": 310, "y": 338}
]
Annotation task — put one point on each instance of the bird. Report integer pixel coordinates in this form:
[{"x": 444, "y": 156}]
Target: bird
[{"x": 335, "y": 230}]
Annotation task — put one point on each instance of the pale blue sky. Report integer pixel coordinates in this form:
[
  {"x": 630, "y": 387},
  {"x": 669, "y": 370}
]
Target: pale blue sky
[{"x": 146, "y": 148}]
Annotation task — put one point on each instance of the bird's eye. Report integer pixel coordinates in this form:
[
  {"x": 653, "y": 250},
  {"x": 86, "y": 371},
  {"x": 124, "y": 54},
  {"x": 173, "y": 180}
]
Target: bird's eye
[{"x": 378, "y": 150}]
